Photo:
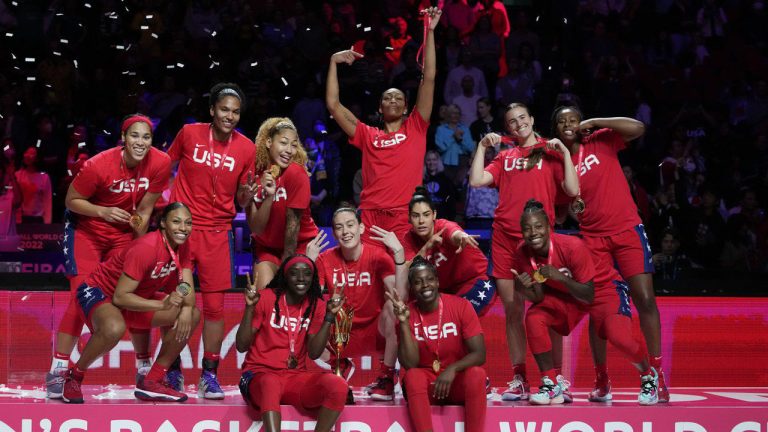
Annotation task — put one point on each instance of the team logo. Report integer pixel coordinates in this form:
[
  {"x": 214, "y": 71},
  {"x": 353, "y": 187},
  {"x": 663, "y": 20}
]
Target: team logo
[
  {"x": 162, "y": 270},
  {"x": 515, "y": 163},
  {"x": 351, "y": 279},
  {"x": 437, "y": 258},
  {"x": 288, "y": 324},
  {"x": 202, "y": 156},
  {"x": 121, "y": 186},
  {"x": 432, "y": 333},
  {"x": 587, "y": 164},
  {"x": 379, "y": 142}
]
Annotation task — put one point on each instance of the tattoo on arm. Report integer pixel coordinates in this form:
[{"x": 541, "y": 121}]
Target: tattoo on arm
[
  {"x": 292, "y": 223},
  {"x": 350, "y": 118}
]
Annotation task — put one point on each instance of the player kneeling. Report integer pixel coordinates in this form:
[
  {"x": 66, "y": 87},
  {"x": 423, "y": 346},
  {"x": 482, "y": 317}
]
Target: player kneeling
[{"x": 130, "y": 290}]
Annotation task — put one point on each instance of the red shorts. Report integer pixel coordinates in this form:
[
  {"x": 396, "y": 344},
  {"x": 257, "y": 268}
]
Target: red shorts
[
  {"x": 628, "y": 251},
  {"x": 266, "y": 391},
  {"x": 213, "y": 256},
  {"x": 263, "y": 253},
  {"x": 84, "y": 252},
  {"x": 136, "y": 320},
  {"x": 393, "y": 219},
  {"x": 503, "y": 248},
  {"x": 562, "y": 315}
]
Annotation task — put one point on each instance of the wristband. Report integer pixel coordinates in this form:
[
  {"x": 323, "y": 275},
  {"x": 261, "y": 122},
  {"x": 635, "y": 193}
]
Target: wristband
[
  {"x": 329, "y": 318},
  {"x": 400, "y": 263}
]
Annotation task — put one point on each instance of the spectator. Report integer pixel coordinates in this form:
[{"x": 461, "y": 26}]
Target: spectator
[
  {"x": 459, "y": 15},
  {"x": 309, "y": 109},
  {"x": 670, "y": 262},
  {"x": 10, "y": 199},
  {"x": 740, "y": 248},
  {"x": 639, "y": 195},
  {"x": 467, "y": 100},
  {"x": 705, "y": 229},
  {"x": 35, "y": 187},
  {"x": 454, "y": 142},
  {"x": 441, "y": 188},
  {"x": 514, "y": 86},
  {"x": 486, "y": 50},
  {"x": 457, "y": 74},
  {"x": 481, "y": 201},
  {"x": 486, "y": 122}
]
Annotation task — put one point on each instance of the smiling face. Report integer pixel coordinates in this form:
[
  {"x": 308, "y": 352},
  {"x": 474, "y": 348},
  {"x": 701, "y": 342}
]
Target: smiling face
[
  {"x": 283, "y": 146},
  {"x": 177, "y": 226},
  {"x": 424, "y": 285},
  {"x": 535, "y": 232},
  {"x": 392, "y": 106},
  {"x": 347, "y": 230},
  {"x": 138, "y": 140},
  {"x": 226, "y": 115},
  {"x": 299, "y": 278},
  {"x": 567, "y": 125},
  {"x": 519, "y": 123},
  {"x": 422, "y": 219}
]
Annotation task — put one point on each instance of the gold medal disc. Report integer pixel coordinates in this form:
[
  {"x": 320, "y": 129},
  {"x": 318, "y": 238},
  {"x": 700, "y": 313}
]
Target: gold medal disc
[
  {"x": 538, "y": 277},
  {"x": 578, "y": 205},
  {"x": 136, "y": 220},
  {"x": 436, "y": 366}
]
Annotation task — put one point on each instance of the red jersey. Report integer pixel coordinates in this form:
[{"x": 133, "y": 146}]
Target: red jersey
[
  {"x": 271, "y": 344},
  {"x": 446, "y": 338},
  {"x": 107, "y": 181},
  {"x": 610, "y": 208},
  {"x": 292, "y": 191},
  {"x": 571, "y": 256},
  {"x": 392, "y": 162},
  {"x": 453, "y": 271},
  {"x": 517, "y": 185},
  {"x": 208, "y": 184},
  {"x": 146, "y": 260},
  {"x": 364, "y": 280}
]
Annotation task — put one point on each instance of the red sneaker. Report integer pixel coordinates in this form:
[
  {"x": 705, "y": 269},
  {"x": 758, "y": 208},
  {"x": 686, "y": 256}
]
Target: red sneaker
[
  {"x": 662, "y": 389},
  {"x": 602, "y": 391},
  {"x": 383, "y": 389},
  {"x": 158, "y": 391},
  {"x": 72, "y": 392}
]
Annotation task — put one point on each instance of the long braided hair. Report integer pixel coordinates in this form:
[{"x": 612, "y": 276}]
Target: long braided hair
[{"x": 279, "y": 283}]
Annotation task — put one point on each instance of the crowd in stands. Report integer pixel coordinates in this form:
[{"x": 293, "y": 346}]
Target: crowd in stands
[{"x": 693, "y": 71}]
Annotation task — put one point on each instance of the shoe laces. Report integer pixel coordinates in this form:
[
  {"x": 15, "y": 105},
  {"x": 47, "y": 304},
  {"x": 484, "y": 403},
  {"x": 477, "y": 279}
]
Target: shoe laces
[
  {"x": 57, "y": 377},
  {"x": 648, "y": 385},
  {"x": 211, "y": 383},
  {"x": 546, "y": 388},
  {"x": 515, "y": 383},
  {"x": 564, "y": 383}
]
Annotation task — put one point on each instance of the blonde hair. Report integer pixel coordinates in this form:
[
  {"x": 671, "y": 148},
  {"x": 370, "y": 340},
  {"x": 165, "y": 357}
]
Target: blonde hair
[{"x": 271, "y": 127}]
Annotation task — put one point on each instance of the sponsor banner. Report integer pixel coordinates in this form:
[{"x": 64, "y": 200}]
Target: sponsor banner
[
  {"x": 700, "y": 335},
  {"x": 57, "y": 417}
]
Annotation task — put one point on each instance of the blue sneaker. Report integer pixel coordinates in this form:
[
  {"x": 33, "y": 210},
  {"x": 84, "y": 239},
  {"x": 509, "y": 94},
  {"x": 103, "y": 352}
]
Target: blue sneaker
[
  {"x": 209, "y": 387},
  {"x": 54, "y": 383},
  {"x": 175, "y": 380}
]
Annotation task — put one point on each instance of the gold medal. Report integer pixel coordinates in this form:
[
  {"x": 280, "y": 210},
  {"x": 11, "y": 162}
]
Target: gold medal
[
  {"x": 136, "y": 220},
  {"x": 578, "y": 205},
  {"x": 183, "y": 289},
  {"x": 436, "y": 366},
  {"x": 538, "y": 277},
  {"x": 274, "y": 170},
  {"x": 292, "y": 362}
]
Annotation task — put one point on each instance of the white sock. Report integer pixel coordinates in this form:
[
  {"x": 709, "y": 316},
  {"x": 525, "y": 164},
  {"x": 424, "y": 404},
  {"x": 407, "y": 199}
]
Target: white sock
[{"x": 59, "y": 363}]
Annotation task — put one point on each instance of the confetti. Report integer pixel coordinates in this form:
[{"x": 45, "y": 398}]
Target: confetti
[
  {"x": 150, "y": 16},
  {"x": 9, "y": 34},
  {"x": 64, "y": 41},
  {"x": 49, "y": 86},
  {"x": 14, "y": 3},
  {"x": 565, "y": 20},
  {"x": 75, "y": 61},
  {"x": 170, "y": 66},
  {"x": 367, "y": 29},
  {"x": 39, "y": 141},
  {"x": 31, "y": 78},
  {"x": 389, "y": 49},
  {"x": 60, "y": 14},
  {"x": 154, "y": 35},
  {"x": 25, "y": 297},
  {"x": 254, "y": 64},
  {"x": 537, "y": 18},
  {"x": 549, "y": 68},
  {"x": 142, "y": 82},
  {"x": 285, "y": 83},
  {"x": 120, "y": 47},
  {"x": 106, "y": 132},
  {"x": 88, "y": 5},
  {"x": 145, "y": 27},
  {"x": 308, "y": 29},
  {"x": 29, "y": 59},
  {"x": 6, "y": 147},
  {"x": 287, "y": 97},
  {"x": 213, "y": 34},
  {"x": 13, "y": 56},
  {"x": 181, "y": 65},
  {"x": 69, "y": 173},
  {"x": 56, "y": 53},
  {"x": 81, "y": 144},
  {"x": 359, "y": 25}
]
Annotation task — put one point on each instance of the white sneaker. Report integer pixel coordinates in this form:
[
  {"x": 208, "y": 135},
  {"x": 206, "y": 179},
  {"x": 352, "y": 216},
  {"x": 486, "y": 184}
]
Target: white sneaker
[
  {"x": 549, "y": 394},
  {"x": 649, "y": 389},
  {"x": 564, "y": 385}
]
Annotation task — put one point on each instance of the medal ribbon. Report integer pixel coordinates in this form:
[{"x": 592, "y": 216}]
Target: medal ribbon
[
  {"x": 579, "y": 160},
  {"x": 214, "y": 172},
  {"x": 136, "y": 178},
  {"x": 420, "y": 53},
  {"x": 549, "y": 257},
  {"x": 439, "y": 327},
  {"x": 174, "y": 256},
  {"x": 293, "y": 333}
]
